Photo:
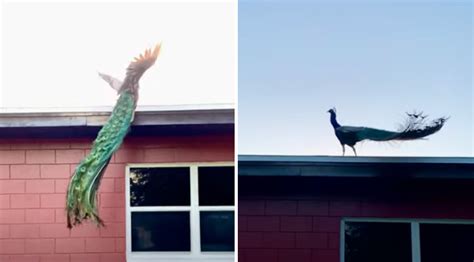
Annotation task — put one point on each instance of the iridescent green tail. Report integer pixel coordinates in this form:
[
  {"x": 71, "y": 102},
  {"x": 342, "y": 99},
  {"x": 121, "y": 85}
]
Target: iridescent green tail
[{"x": 81, "y": 202}]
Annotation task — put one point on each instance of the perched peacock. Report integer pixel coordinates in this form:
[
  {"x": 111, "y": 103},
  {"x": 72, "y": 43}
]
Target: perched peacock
[
  {"x": 415, "y": 127},
  {"x": 81, "y": 200}
]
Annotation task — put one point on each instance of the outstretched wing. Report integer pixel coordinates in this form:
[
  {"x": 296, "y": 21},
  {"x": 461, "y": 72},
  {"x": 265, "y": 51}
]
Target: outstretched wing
[
  {"x": 113, "y": 82},
  {"x": 141, "y": 63}
]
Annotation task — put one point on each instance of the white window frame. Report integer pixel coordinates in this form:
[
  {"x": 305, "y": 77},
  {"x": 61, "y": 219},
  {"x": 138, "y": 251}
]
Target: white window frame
[
  {"x": 194, "y": 210},
  {"x": 415, "y": 231}
]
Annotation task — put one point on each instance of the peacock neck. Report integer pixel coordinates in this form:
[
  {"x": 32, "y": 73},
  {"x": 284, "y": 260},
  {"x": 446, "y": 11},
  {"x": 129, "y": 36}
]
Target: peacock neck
[{"x": 334, "y": 122}]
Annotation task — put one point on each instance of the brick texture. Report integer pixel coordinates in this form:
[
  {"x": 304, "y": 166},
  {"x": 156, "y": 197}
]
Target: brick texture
[
  {"x": 34, "y": 175},
  {"x": 40, "y": 186},
  {"x": 4, "y": 172},
  {"x": 72, "y": 156},
  {"x": 24, "y": 231},
  {"x": 25, "y": 172},
  {"x": 42, "y": 215},
  {"x": 298, "y": 229},
  {"x": 53, "y": 200},
  {"x": 55, "y": 171},
  {"x": 12, "y": 157},
  {"x": 262, "y": 223},
  {"x": 36, "y": 246},
  {"x": 12, "y": 186},
  {"x": 40, "y": 156},
  {"x": 25, "y": 201}
]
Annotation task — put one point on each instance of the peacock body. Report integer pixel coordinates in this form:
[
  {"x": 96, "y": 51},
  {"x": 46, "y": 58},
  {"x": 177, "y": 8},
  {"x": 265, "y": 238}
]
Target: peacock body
[
  {"x": 81, "y": 200},
  {"x": 415, "y": 127}
]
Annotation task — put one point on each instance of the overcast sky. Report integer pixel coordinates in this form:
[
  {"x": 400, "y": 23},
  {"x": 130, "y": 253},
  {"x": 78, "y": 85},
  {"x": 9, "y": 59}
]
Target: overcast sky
[
  {"x": 51, "y": 52},
  {"x": 374, "y": 61}
]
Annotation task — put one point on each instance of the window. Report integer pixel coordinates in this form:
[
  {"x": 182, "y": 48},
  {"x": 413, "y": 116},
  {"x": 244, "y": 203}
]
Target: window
[
  {"x": 180, "y": 212},
  {"x": 404, "y": 240},
  {"x": 373, "y": 241},
  {"x": 446, "y": 242}
]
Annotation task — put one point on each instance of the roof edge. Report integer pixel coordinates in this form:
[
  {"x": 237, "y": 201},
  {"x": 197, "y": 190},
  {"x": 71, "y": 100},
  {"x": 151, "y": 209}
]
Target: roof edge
[
  {"x": 149, "y": 117},
  {"x": 106, "y": 109},
  {"x": 345, "y": 160}
]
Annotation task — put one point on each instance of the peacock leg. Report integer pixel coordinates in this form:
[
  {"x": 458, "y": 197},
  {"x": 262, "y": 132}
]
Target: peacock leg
[
  {"x": 343, "y": 150},
  {"x": 355, "y": 153}
]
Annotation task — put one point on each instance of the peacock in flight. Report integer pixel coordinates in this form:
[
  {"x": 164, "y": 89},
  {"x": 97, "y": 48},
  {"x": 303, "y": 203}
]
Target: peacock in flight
[
  {"x": 81, "y": 200},
  {"x": 415, "y": 127}
]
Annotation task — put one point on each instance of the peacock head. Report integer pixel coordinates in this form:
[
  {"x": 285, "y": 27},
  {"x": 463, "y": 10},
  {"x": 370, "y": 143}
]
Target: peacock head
[{"x": 332, "y": 111}]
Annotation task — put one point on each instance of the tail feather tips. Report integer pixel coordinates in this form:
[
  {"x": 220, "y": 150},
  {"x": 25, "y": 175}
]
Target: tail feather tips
[{"x": 416, "y": 126}]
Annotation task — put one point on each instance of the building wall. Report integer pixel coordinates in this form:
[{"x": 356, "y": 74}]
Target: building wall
[
  {"x": 296, "y": 219},
  {"x": 34, "y": 175}
]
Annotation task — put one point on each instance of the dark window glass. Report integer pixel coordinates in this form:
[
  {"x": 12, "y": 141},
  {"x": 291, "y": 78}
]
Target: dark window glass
[
  {"x": 168, "y": 186},
  {"x": 160, "y": 231},
  {"x": 375, "y": 242},
  {"x": 217, "y": 231},
  {"x": 446, "y": 242},
  {"x": 216, "y": 186}
]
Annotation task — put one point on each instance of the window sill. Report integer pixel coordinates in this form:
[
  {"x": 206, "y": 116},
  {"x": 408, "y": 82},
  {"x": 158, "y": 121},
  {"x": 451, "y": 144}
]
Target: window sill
[{"x": 188, "y": 257}]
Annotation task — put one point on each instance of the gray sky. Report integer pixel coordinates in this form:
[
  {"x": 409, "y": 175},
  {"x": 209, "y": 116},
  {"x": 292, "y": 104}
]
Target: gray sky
[
  {"x": 374, "y": 61},
  {"x": 51, "y": 52}
]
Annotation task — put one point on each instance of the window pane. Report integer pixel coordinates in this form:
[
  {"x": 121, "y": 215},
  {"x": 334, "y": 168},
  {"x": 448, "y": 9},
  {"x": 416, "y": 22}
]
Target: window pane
[
  {"x": 446, "y": 242},
  {"x": 217, "y": 231},
  {"x": 161, "y": 231},
  {"x": 216, "y": 186},
  {"x": 168, "y": 186},
  {"x": 375, "y": 242}
]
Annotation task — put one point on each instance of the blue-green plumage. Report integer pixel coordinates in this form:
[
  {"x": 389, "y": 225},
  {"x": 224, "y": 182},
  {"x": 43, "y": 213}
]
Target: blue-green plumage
[
  {"x": 81, "y": 201},
  {"x": 414, "y": 128}
]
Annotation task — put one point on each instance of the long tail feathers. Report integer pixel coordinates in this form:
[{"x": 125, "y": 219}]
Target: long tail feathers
[
  {"x": 81, "y": 202},
  {"x": 415, "y": 127},
  {"x": 82, "y": 191},
  {"x": 376, "y": 134}
]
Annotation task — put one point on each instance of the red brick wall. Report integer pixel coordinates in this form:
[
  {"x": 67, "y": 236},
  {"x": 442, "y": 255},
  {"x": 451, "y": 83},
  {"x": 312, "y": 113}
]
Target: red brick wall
[
  {"x": 34, "y": 175},
  {"x": 306, "y": 228}
]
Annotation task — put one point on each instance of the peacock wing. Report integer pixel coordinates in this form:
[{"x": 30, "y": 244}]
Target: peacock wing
[
  {"x": 359, "y": 133},
  {"x": 144, "y": 61}
]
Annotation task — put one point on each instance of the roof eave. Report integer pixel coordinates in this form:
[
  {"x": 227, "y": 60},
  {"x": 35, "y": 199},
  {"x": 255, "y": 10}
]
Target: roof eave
[
  {"x": 332, "y": 166},
  {"x": 142, "y": 118},
  {"x": 146, "y": 123}
]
